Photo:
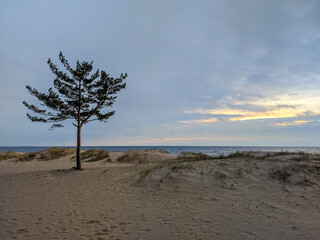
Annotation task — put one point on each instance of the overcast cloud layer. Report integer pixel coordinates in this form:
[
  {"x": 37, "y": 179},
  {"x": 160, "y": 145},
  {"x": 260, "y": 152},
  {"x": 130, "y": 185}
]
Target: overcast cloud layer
[{"x": 218, "y": 72}]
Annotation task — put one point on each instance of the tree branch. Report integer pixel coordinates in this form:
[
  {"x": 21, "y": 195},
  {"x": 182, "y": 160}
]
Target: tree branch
[
  {"x": 94, "y": 111},
  {"x": 91, "y": 120}
]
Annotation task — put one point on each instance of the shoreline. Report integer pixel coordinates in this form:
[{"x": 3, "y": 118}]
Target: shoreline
[{"x": 209, "y": 150}]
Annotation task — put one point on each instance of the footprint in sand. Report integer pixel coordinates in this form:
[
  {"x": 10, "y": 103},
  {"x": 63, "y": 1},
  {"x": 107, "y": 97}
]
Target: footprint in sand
[
  {"x": 104, "y": 231},
  {"x": 22, "y": 231},
  {"x": 93, "y": 222}
]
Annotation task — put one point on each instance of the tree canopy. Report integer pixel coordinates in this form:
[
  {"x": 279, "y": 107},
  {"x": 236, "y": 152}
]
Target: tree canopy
[{"x": 78, "y": 93}]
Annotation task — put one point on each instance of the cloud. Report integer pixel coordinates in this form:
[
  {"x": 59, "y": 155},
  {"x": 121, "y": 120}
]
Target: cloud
[
  {"x": 209, "y": 120},
  {"x": 308, "y": 114},
  {"x": 277, "y": 107},
  {"x": 242, "y": 115},
  {"x": 275, "y": 114},
  {"x": 294, "y": 123}
]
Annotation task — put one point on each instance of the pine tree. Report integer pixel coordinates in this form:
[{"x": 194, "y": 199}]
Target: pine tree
[{"x": 79, "y": 96}]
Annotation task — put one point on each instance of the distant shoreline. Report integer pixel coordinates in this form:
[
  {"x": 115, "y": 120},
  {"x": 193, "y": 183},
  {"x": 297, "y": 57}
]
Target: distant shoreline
[{"x": 210, "y": 150}]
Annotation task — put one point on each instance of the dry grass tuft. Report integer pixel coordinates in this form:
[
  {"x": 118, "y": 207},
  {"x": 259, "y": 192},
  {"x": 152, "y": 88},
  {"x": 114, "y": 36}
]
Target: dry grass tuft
[
  {"x": 9, "y": 155},
  {"x": 50, "y": 154},
  {"x": 280, "y": 174},
  {"x": 191, "y": 156},
  {"x": 55, "y": 153},
  {"x": 95, "y": 155},
  {"x": 26, "y": 157},
  {"x": 140, "y": 157}
]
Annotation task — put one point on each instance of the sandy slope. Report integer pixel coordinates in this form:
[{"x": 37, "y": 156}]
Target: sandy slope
[{"x": 143, "y": 198}]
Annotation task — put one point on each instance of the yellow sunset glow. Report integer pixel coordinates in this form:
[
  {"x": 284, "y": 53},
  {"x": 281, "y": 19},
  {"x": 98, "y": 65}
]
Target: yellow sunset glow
[
  {"x": 294, "y": 123},
  {"x": 279, "y": 107},
  {"x": 280, "y": 113}
]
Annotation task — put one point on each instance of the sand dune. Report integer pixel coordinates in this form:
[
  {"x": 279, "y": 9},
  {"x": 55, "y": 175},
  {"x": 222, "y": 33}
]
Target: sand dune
[{"x": 156, "y": 195}]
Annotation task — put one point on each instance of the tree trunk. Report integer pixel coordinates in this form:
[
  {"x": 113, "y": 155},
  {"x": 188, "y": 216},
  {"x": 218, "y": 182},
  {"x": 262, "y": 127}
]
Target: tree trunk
[
  {"x": 78, "y": 148},
  {"x": 79, "y": 129}
]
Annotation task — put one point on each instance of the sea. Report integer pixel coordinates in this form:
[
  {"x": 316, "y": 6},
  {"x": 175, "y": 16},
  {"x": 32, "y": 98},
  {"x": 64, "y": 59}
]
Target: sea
[{"x": 209, "y": 150}]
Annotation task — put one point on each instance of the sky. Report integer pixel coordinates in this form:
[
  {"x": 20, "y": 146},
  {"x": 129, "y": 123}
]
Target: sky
[{"x": 205, "y": 73}]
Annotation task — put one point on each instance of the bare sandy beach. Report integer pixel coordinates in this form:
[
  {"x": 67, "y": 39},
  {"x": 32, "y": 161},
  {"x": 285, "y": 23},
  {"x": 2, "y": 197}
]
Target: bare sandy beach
[{"x": 156, "y": 195}]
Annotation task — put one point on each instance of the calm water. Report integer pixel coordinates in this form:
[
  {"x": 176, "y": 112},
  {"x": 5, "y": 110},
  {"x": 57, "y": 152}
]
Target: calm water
[{"x": 210, "y": 150}]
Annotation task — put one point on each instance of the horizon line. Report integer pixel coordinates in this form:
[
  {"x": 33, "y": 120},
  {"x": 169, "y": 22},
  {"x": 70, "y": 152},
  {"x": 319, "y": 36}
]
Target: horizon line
[{"x": 163, "y": 146}]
